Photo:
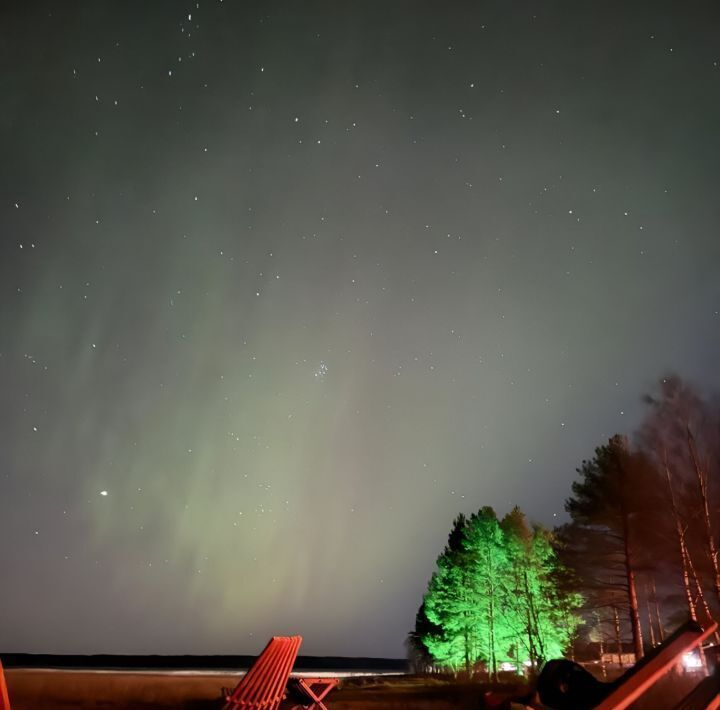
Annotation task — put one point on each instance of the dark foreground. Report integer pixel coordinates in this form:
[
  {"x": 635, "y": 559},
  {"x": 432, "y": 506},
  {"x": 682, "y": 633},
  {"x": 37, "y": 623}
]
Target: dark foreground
[
  {"x": 61, "y": 690},
  {"x": 56, "y": 690}
]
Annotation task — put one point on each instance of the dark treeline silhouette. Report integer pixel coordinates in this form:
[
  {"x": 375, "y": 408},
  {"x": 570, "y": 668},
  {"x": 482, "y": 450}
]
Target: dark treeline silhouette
[
  {"x": 642, "y": 541},
  {"x": 639, "y": 555}
]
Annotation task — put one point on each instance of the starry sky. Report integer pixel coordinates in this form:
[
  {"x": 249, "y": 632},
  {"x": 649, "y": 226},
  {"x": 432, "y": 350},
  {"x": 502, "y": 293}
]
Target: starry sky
[{"x": 285, "y": 286}]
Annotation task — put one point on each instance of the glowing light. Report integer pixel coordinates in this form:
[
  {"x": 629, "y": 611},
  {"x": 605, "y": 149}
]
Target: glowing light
[{"x": 691, "y": 661}]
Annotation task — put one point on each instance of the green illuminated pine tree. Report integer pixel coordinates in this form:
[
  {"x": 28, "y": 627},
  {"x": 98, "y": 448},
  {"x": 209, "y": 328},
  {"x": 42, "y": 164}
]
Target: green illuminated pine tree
[
  {"x": 542, "y": 613},
  {"x": 489, "y": 583},
  {"x": 448, "y": 606},
  {"x": 497, "y": 596}
]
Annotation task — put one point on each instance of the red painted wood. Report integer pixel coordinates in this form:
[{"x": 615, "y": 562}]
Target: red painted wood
[
  {"x": 312, "y": 691},
  {"x": 648, "y": 672},
  {"x": 263, "y": 686},
  {"x": 4, "y": 696}
]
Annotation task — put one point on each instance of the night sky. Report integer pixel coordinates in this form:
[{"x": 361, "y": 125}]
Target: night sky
[{"x": 286, "y": 286}]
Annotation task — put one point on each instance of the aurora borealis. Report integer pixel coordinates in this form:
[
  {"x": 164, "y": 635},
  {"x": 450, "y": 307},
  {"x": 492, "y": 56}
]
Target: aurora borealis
[{"x": 286, "y": 286}]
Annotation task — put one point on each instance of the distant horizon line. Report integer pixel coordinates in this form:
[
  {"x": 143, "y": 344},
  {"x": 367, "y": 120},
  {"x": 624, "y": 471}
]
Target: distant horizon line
[{"x": 188, "y": 662}]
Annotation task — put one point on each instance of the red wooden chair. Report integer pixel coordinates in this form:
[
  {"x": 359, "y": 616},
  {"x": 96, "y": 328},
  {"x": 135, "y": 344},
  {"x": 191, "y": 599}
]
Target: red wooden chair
[
  {"x": 646, "y": 672},
  {"x": 4, "y": 697},
  {"x": 706, "y": 696},
  {"x": 624, "y": 691},
  {"x": 263, "y": 686},
  {"x": 308, "y": 693}
]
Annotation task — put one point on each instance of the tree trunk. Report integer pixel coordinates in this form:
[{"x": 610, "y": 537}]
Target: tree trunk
[
  {"x": 684, "y": 557},
  {"x": 700, "y": 593},
  {"x": 491, "y": 619},
  {"x": 701, "y": 477},
  {"x": 703, "y": 601},
  {"x": 601, "y": 637},
  {"x": 493, "y": 659},
  {"x": 534, "y": 625},
  {"x": 634, "y": 614},
  {"x": 531, "y": 643},
  {"x": 467, "y": 653},
  {"x": 649, "y": 616},
  {"x": 618, "y": 636},
  {"x": 661, "y": 628},
  {"x": 631, "y": 589}
]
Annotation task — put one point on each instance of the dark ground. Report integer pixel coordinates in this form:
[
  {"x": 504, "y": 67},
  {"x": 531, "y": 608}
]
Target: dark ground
[{"x": 32, "y": 689}]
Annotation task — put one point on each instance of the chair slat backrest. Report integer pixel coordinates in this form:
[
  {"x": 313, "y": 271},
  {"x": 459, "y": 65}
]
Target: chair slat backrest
[
  {"x": 656, "y": 664},
  {"x": 263, "y": 686},
  {"x": 4, "y": 697},
  {"x": 705, "y": 695}
]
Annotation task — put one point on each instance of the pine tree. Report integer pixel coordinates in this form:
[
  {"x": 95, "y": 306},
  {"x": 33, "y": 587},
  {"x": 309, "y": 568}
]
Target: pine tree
[
  {"x": 542, "y": 609},
  {"x": 607, "y": 504},
  {"x": 419, "y": 656},
  {"x": 680, "y": 434},
  {"x": 489, "y": 579},
  {"x": 555, "y": 602},
  {"x": 497, "y": 596},
  {"x": 448, "y": 606}
]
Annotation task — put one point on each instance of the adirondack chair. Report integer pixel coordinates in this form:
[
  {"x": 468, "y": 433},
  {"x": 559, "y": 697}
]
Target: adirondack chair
[
  {"x": 563, "y": 684},
  {"x": 705, "y": 696},
  {"x": 662, "y": 659},
  {"x": 4, "y": 697},
  {"x": 309, "y": 692},
  {"x": 263, "y": 686}
]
